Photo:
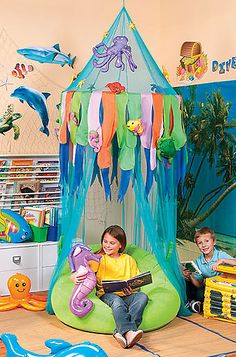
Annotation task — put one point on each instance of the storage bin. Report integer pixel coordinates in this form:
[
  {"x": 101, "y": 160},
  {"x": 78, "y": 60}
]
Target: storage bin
[
  {"x": 52, "y": 233},
  {"x": 39, "y": 233}
]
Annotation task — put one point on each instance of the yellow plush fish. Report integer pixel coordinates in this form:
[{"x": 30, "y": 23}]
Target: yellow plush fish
[{"x": 135, "y": 126}]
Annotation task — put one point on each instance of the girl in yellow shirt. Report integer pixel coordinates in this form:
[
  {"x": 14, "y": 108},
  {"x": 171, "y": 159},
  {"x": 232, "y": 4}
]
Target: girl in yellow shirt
[{"x": 127, "y": 306}]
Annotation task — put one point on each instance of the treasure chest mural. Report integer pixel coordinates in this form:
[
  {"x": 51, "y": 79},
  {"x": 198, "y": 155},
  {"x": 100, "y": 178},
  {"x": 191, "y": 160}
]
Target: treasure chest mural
[{"x": 193, "y": 64}]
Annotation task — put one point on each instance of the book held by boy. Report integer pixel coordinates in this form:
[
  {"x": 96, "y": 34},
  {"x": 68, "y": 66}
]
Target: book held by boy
[
  {"x": 137, "y": 281},
  {"x": 191, "y": 266}
]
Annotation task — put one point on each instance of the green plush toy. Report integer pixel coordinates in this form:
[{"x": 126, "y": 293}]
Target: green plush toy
[{"x": 166, "y": 148}]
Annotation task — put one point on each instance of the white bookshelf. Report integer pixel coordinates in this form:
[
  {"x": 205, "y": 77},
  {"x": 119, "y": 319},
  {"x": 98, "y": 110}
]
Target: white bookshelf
[{"x": 18, "y": 171}]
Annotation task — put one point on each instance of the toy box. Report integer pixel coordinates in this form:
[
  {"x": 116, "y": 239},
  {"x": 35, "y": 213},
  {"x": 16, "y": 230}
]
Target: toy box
[{"x": 220, "y": 295}]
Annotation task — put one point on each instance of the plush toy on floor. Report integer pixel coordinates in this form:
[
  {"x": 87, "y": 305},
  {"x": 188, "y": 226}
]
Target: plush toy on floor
[
  {"x": 59, "y": 348},
  {"x": 19, "y": 286}
]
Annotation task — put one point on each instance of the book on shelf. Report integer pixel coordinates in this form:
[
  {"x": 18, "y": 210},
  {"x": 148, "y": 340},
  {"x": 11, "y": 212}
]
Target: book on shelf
[
  {"x": 21, "y": 169},
  {"x": 34, "y": 216},
  {"x": 191, "y": 266},
  {"x": 48, "y": 170},
  {"x": 3, "y": 168},
  {"x": 2, "y": 190},
  {"x": 137, "y": 281},
  {"x": 50, "y": 215}
]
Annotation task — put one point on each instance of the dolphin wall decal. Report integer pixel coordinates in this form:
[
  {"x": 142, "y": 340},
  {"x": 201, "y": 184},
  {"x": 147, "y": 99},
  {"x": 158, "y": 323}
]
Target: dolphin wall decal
[
  {"x": 47, "y": 55},
  {"x": 37, "y": 101},
  {"x": 59, "y": 348}
]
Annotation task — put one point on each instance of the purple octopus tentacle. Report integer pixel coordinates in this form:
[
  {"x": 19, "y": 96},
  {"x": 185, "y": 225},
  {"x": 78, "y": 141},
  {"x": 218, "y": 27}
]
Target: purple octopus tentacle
[
  {"x": 106, "y": 67},
  {"x": 100, "y": 55},
  {"x": 119, "y": 62},
  {"x": 103, "y": 63}
]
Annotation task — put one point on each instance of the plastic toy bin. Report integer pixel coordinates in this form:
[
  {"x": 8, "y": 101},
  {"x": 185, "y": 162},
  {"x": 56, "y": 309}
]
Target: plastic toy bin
[
  {"x": 220, "y": 295},
  {"x": 52, "y": 233},
  {"x": 39, "y": 234}
]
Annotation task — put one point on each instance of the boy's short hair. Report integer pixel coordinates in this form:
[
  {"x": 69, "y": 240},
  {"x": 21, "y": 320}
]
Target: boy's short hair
[{"x": 204, "y": 230}]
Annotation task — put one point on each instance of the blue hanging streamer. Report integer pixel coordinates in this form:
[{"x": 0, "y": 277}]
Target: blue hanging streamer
[
  {"x": 96, "y": 173},
  {"x": 124, "y": 184},
  {"x": 149, "y": 177},
  {"x": 181, "y": 163},
  {"x": 166, "y": 168},
  {"x": 106, "y": 183},
  {"x": 78, "y": 167},
  {"x": 115, "y": 155},
  {"x": 64, "y": 158}
]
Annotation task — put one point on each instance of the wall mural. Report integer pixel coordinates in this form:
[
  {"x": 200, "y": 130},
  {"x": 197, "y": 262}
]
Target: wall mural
[{"x": 193, "y": 64}]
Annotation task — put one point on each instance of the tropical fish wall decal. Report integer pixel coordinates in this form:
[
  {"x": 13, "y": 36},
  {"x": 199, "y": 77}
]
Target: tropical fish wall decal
[
  {"x": 21, "y": 70},
  {"x": 47, "y": 55},
  {"x": 37, "y": 101}
]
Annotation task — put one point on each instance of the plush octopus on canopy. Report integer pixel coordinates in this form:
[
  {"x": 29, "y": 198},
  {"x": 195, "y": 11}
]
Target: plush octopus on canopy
[
  {"x": 117, "y": 50},
  {"x": 19, "y": 286}
]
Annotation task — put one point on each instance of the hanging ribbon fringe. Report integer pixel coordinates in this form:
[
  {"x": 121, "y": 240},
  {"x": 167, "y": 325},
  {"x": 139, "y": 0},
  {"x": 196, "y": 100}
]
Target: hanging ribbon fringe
[{"x": 97, "y": 118}]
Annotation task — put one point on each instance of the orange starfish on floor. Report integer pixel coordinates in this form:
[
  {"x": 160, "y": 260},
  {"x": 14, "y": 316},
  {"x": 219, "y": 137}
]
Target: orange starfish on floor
[{"x": 19, "y": 286}]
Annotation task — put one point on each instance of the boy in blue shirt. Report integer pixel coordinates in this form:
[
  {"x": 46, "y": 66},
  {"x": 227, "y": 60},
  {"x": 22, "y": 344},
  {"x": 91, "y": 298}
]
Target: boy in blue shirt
[{"x": 207, "y": 262}]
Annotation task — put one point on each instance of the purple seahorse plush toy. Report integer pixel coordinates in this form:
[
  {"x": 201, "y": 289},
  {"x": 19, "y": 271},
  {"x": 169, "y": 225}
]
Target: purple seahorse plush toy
[{"x": 79, "y": 257}]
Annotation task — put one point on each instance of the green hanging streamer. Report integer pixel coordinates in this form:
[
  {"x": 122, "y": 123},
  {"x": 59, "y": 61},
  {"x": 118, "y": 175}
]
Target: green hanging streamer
[
  {"x": 75, "y": 108},
  {"x": 82, "y": 132},
  {"x": 178, "y": 133}
]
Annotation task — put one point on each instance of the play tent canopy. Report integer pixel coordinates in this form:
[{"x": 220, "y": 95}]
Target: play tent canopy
[{"x": 119, "y": 113}]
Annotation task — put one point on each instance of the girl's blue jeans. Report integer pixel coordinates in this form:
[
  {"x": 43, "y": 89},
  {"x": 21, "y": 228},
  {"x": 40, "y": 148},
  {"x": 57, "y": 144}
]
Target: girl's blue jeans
[{"x": 127, "y": 310}]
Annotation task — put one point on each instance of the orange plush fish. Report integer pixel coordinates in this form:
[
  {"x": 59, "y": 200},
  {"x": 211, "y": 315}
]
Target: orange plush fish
[{"x": 21, "y": 70}]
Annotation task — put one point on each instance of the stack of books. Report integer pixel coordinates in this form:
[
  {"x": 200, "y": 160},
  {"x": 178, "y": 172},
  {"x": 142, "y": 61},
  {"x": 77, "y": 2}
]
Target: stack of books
[{"x": 40, "y": 216}]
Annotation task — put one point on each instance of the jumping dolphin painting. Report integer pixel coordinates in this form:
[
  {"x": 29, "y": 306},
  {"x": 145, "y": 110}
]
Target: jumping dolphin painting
[
  {"x": 37, "y": 101},
  {"x": 47, "y": 55},
  {"x": 59, "y": 348}
]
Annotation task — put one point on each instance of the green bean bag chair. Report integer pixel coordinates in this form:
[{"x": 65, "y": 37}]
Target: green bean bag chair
[{"x": 162, "y": 307}]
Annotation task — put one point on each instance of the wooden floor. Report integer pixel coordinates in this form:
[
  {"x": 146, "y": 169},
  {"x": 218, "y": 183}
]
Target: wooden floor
[{"x": 179, "y": 338}]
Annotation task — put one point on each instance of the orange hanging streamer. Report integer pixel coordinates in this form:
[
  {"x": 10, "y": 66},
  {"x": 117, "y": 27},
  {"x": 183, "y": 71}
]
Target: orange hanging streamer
[
  {"x": 109, "y": 126},
  {"x": 65, "y": 119},
  {"x": 157, "y": 118}
]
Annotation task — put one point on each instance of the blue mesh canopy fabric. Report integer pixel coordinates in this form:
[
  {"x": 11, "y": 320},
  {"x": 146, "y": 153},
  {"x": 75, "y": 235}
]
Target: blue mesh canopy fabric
[
  {"x": 149, "y": 74},
  {"x": 134, "y": 126}
]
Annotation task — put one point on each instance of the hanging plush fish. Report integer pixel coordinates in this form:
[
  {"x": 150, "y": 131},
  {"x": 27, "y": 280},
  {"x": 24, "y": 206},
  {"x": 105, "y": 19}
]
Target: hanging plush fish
[
  {"x": 51, "y": 55},
  {"x": 136, "y": 126},
  {"x": 37, "y": 101}
]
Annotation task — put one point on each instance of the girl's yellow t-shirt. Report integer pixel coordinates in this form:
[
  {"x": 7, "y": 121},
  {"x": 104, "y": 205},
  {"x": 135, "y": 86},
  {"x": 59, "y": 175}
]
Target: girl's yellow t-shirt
[{"x": 122, "y": 268}]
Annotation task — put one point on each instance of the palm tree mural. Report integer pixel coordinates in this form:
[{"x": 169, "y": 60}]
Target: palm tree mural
[{"x": 209, "y": 142}]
